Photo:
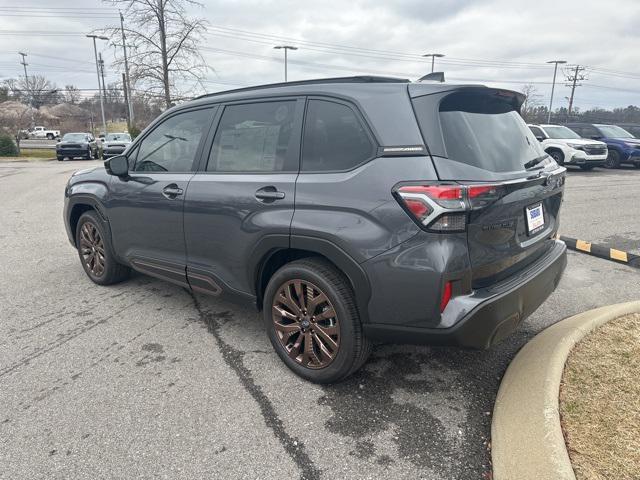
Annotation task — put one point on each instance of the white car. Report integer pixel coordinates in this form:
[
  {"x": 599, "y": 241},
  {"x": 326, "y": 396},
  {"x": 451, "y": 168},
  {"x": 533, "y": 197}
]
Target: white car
[
  {"x": 114, "y": 144},
  {"x": 568, "y": 148}
]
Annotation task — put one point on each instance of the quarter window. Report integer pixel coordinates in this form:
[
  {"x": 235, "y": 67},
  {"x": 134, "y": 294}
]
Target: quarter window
[
  {"x": 172, "y": 145},
  {"x": 334, "y": 138},
  {"x": 256, "y": 137}
]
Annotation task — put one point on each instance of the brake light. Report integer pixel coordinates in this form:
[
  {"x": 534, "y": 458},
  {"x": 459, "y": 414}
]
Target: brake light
[
  {"x": 446, "y": 296},
  {"x": 444, "y": 208}
]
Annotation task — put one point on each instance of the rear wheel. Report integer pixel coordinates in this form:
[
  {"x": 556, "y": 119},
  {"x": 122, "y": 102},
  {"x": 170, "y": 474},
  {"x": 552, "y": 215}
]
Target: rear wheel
[
  {"x": 60, "y": 158},
  {"x": 96, "y": 253},
  {"x": 50, "y": 136},
  {"x": 313, "y": 323},
  {"x": 557, "y": 155},
  {"x": 613, "y": 159}
]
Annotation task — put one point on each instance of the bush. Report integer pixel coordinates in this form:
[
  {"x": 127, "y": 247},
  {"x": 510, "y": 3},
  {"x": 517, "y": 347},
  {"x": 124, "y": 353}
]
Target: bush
[
  {"x": 134, "y": 131},
  {"x": 8, "y": 147}
]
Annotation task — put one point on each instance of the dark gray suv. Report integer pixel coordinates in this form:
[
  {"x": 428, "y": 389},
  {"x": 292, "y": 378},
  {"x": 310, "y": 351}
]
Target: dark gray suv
[{"x": 348, "y": 210}]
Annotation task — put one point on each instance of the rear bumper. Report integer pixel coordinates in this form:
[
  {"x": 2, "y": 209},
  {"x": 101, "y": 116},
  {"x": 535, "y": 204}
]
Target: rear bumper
[{"x": 493, "y": 312}]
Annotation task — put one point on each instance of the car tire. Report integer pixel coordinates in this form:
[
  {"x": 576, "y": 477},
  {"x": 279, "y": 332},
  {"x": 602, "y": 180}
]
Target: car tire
[
  {"x": 613, "y": 159},
  {"x": 96, "y": 252},
  {"x": 587, "y": 168},
  {"x": 89, "y": 154},
  {"x": 557, "y": 155},
  {"x": 50, "y": 136},
  {"x": 337, "y": 343},
  {"x": 60, "y": 159}
]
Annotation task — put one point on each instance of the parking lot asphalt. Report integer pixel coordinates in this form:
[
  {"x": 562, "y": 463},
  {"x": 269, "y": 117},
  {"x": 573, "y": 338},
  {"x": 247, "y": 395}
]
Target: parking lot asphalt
[{"x": 144, "y": 379}]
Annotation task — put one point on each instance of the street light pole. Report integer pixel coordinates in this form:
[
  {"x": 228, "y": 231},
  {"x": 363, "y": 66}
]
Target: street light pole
[
  {"x": 553, "y": 85},
  {"x": 95, "y": 53},
  {"x": 433, "y": 58},
  {"x": 285, "y": 48}
]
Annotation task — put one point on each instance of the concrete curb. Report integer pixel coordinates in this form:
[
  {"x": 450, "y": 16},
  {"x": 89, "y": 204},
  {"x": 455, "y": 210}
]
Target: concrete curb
[{"x": 526, "y": 437}]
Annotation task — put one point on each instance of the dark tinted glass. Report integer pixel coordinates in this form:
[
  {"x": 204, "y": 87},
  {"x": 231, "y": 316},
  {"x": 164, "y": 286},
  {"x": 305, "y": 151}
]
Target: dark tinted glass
[
  {"x": 536, "y": 131},
  {"x": 256, "y": 137},
  {"x": 172, "y": 145},
  {"x": 334, "y": 138},
  {"x": 484, "y": 130}
]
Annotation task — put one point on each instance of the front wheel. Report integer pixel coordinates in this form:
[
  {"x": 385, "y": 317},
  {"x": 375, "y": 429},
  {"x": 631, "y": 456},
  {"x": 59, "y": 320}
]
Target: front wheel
[
  {"x": 558, "y": 156},
  {"x": 50, "y": 136},
  {"x": 96, "y": 253},
  {"x": 313, "y": 323},
  {"x": 613, "y": 159}
]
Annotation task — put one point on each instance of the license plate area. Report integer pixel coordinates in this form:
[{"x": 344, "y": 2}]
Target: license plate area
[{"x": 534, "y": 215}]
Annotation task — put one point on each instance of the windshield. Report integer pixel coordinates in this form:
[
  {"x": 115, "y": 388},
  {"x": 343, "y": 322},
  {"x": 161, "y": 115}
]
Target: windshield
[
  {"x": 485, "y": 131},
  {"x": 123, "y": 137},
  {"x": 611, "y": 131},
  {"x": 75, "y": 137},
  {"x": 560, "y": 132}
]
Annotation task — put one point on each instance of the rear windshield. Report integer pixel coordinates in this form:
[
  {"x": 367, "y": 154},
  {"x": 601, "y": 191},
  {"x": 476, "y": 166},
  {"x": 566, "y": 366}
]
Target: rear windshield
[{"x": 484, "y": 130}]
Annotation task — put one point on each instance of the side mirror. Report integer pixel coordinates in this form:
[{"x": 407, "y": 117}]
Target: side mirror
[
  {"x": 540, "y": 138},
  {"x": 118, "y": 166}
]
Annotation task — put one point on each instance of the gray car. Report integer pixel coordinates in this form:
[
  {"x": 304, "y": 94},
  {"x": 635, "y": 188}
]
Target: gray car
[
  {"x": 115, "y": 144},
  {"x": 349, "y": 211},
  {"x": 75, "y": 145}
]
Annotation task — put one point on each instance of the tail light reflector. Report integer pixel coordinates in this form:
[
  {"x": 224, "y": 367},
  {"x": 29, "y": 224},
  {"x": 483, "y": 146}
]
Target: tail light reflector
[{"x": 446, "y": 296}]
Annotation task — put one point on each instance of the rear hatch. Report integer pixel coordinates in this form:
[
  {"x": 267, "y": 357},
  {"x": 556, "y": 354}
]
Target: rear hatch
[{"x": 513, "y": 192}]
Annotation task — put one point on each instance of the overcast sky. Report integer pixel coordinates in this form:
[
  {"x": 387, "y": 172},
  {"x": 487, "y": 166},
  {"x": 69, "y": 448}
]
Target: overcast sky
[{"x": 498, "y": 42}]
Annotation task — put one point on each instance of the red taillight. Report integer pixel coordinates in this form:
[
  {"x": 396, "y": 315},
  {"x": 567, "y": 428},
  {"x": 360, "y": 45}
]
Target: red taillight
[
  {"x": 446, "y": 296},
  {"x": 444, "y": 208}
]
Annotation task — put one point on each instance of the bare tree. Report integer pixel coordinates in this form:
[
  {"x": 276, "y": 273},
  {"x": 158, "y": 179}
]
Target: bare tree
[
  {"x": 38, "y": 91},
  {"x": 162, "y": 44},
  {"x": 531, "y": 102},
  {"x": 71, "y": 94}
]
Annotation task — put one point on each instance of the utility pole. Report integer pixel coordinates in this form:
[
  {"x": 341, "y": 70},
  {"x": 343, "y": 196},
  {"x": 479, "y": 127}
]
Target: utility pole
[
  {"x": 104, "y": 85},
  {"x": 95, "y": 53},
  {"x": 433, "y": 58},
  {"x": 553, "y": 85},
  {"x": 285, "y": 48},
  {"x": 127, "y": 82},
  {"x": 573, "y": 79},
  {"x": 126, "y": 99},
  {"x": 26, "y": 83}
]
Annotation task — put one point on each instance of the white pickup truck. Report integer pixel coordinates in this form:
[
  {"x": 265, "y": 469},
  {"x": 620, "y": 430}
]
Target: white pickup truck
[{"x": 42, "y": 132}]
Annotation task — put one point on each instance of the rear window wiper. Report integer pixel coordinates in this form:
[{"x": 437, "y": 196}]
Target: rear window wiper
[{"x": 532, "y": 163}]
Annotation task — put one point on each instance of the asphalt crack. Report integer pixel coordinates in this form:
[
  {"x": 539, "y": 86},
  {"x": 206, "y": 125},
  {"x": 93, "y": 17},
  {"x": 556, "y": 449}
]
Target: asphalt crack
[{"x": 234, "y": 358}]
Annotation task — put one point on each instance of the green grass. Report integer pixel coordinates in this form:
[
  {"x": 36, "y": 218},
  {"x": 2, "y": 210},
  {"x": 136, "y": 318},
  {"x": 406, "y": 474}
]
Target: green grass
[{"x": 37, "y": 153}]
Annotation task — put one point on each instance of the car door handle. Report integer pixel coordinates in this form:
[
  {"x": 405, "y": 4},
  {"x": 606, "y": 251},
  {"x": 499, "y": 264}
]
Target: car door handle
[
  {"x": 269, "y": 194},
  {"x": 171, "y": 191}
]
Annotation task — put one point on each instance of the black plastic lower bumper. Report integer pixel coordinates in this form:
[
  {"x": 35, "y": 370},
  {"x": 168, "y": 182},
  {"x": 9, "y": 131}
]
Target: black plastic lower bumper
[{"x": 494, "y": 318}]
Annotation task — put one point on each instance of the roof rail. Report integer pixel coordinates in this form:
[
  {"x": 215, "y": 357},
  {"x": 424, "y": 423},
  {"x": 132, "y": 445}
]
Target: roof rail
[{"x": 317, "y": 81}]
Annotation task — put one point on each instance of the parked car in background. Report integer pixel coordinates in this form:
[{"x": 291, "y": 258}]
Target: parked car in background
[
  {"x": 623, "y": 147},
  {"x": 75, "y": 145},
  {"x": 632, "y": 128},
  {"x": 114, "y": 144},
  {"x": 568, "y": 148},
  {"x": 401, "y": 212},
  {"x": 41, "y": 133}
]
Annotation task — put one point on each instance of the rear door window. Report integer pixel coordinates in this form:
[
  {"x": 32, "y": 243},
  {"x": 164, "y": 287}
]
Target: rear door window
[
  {"x": 485, "y": 131},
  {"x": 334, "y": 138}
]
